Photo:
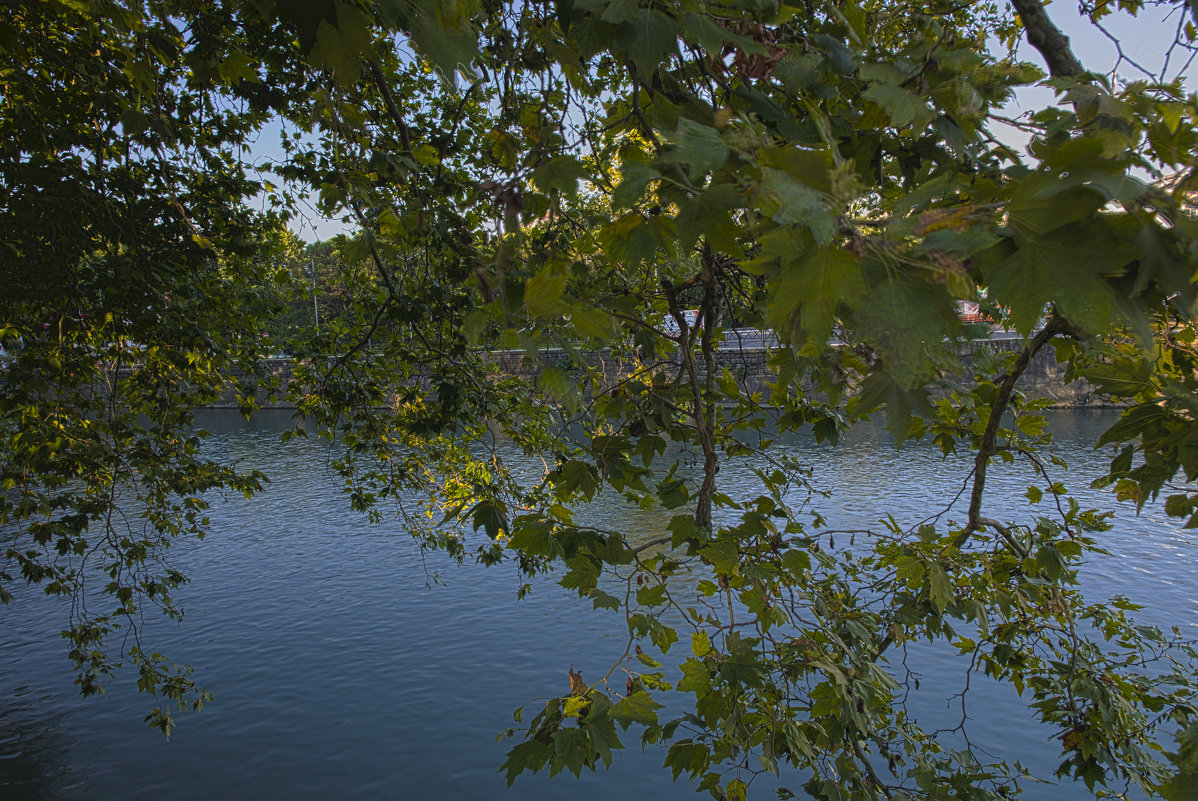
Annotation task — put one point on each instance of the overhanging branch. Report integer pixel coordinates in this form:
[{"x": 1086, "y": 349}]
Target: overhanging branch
[
  {"x": 989, "y": 445},
  {"x": 1047, "y": 38}
]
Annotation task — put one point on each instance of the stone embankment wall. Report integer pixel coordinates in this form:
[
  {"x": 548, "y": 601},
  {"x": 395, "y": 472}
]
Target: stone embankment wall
[
  {"x": 1044, "y": 378},
  {"x": 268, "y": 384}
]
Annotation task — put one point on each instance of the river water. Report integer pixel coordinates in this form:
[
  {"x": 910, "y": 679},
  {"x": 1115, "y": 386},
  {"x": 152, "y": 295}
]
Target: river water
[{"x": 341, "y": 671}]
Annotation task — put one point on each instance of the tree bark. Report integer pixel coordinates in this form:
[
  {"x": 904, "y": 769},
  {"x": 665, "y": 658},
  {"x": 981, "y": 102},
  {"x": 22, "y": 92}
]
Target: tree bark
[
  {"x": 989, "y": 444},
  {"x": 1047, "y": 38}
]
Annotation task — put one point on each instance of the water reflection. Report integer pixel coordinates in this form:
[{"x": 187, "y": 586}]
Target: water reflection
[
  {"x": 341, "y": 672},
  {"x": 35, "y": 748}
]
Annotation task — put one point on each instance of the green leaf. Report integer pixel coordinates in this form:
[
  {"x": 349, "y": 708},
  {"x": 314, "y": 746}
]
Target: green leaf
[
  {"x": 530, "y": 755},
  {"x": 905, "y": 108},
  {"x": 583, "y": 574},
  {"x": 653, "y": 38},
  {"x": 237, "y": 67},
  {"x": 535, "y": 538},
  {"x": 812, "y": 289},
  {"x": 440, "y": 32},
  {"x": 723, "y": 556},
  {"x": 1183, "y": 786},
  {"x": 570, "y": 751},
  {"x": 706, "y": 215},
  {"x": 880, "y": 389},
  {"x": 635, "y": 176},
  {"x": 560, "y": 387},
  {"x": 788, "y": 200},
  {"x": 617, "y": 11},
  {"x": 490, "y": 515},
  {"x": 561, "y": 173},
  {"x": 696, "y": 678},
  {"x": 682, "y": 530},
  {"x": 672, "y": 493},
  {"x": 911, "y": 570},
  {"x": 797, "y": 563},
  {"x": 574, "y": 705},
  {"x": 1067, "y": 267},
  {"x": 576, "y": 476},
  {"x": 339, "y": 48},
  {"x": 593, "y": 322},
  {"x": 810, "y": 168},
  {"x": 940, "y": 588},
  {"x": 1134, "y": 422},
  {"x": 633, "y": 240},
  {"x": 601, "y": 730},
  {"x": 798, "y": 71},
  {"x": 660, "y": 635},
  {"x": 306, "y": 19},
  {"x": 427, "y": 155},
  {"x": 647, "y": 660},
  {"x": 697, "y": 147},
  {"x": 702, "y": 30},
  {"x": 543, "y": 293},
  {"x": 652, "y": 595},
  {"x": 1179, "y": 505},
  {"x": 603, "y": 600},
  {"x": 905, "y": 320},
  {"x": 885, "y": 73},
  {"x": 838, "y": 56},
  {"x": 636, "y": 708},
  {"x": 1043, "y": 203},
  {"x": 686, "y": 756}
]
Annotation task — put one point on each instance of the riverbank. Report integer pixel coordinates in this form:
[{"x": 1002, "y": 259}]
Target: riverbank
[{"x": 1043, "y": 379}]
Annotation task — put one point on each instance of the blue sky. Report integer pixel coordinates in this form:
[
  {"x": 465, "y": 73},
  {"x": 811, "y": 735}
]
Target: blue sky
[{"x": 1144, "y": 40}]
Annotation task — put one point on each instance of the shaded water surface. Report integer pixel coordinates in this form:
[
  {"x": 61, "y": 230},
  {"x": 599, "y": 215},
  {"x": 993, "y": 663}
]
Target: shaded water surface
[{"x": 341, "y": 671}]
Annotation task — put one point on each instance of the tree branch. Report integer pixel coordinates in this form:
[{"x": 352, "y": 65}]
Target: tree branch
[
  {"x": 703, "y": 423},
  {"x": 380, "y": 82},
  {"x": 989, "y": 447},
  {"x": 1047, "y": 38}
]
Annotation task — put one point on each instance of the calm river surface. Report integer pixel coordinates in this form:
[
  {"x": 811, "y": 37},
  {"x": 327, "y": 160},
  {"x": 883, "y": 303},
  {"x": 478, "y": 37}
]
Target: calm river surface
[{"x": 340, "y": 672}]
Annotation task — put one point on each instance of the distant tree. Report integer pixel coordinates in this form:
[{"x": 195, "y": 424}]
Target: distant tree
[
  {"x": 571, "y": 174},
  {"x": 317, "y": 285},
  {"x": 131, "y": 269}
]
